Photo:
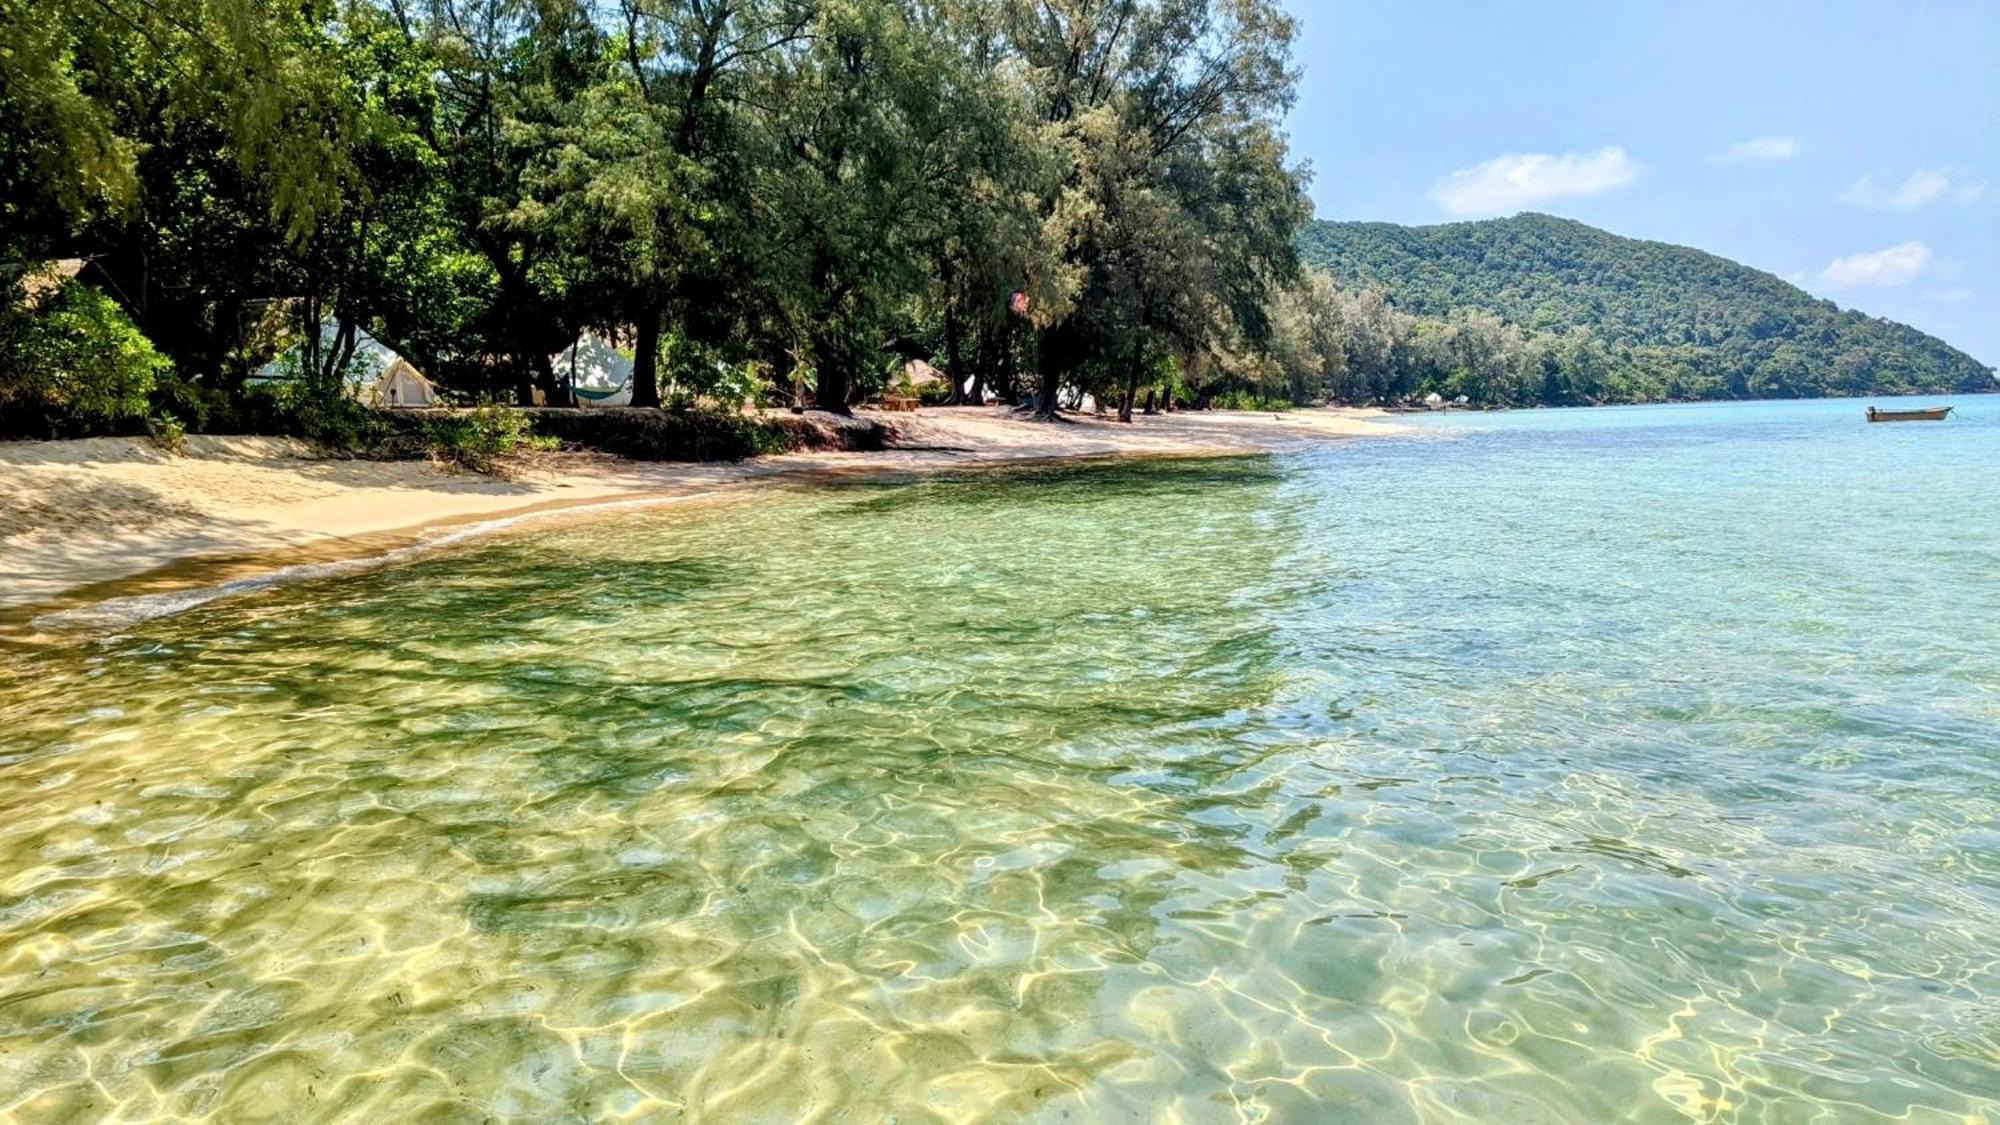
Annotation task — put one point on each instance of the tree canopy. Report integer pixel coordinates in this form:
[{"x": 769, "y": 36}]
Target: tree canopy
[{"x": 749, "y": 195}]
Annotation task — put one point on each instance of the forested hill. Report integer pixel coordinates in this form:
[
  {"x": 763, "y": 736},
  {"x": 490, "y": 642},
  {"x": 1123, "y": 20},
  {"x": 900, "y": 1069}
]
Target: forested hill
[{"x": 1702, "y": 326}]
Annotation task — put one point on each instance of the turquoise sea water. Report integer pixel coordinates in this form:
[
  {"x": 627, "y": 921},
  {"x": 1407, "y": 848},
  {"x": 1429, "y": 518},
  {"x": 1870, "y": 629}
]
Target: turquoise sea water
[{"x": 1625, "y": 764}]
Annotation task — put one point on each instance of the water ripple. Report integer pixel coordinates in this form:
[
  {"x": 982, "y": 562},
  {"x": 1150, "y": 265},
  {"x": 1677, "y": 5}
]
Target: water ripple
[{"x": 1194, "y": 791}]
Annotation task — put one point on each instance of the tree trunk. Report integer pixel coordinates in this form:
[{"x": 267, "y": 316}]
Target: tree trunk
[
  {"x": 954, "y": 344},
  {"x": 1050, "y": 382},
  {"x": 830, "y": 373},
  {"x": 992, "y": 353},
  {"x": 343, "y": 354},
  {"x": 524, "y": 381},
  {"x": 554, "y": 391},
  {"x": 830, "y": 370},
  {"x": 830, "y": 391},
  {"x": 1132, "y": 379},
  {"x": 309, "y": 349},
  {"x": 646, "y": 366},
  {"x": 1046, "y": 405},
  {"x": 1006, "y": 372}
]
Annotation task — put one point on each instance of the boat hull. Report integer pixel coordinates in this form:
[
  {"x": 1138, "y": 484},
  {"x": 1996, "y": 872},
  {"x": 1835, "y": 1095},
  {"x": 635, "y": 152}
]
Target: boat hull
[{"x": 1935, "y": 414}]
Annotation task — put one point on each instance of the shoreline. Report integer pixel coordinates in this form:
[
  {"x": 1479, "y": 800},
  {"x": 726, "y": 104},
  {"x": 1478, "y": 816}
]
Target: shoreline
[
  {"x": 1393, "y": 412},
  {"x": 101, "y": 520}
]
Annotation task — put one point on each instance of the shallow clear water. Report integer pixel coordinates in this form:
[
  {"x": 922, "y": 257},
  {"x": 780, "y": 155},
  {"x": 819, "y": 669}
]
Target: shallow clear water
[{"x": 1569, "y": 766}]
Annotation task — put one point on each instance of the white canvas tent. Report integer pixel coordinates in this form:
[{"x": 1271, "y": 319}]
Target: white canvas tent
[
  {"x": 378, "y": 376},
  {"x": 598, "y": 372},
  {"x": 403, "y": 385}
]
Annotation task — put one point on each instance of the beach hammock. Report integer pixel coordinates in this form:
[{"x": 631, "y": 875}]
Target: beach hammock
[
  {"x": 592, "y": 363},
  {"x": 595, "y": 394},
  {"x": 620, "y": 395}
]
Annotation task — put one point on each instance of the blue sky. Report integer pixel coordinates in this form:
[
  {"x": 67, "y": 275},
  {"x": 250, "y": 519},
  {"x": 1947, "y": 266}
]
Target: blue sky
[{"x": 1851, "y": 148}]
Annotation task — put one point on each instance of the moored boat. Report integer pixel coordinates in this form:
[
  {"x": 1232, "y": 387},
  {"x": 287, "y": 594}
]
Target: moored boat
[{"x": 1924, "y": 414}]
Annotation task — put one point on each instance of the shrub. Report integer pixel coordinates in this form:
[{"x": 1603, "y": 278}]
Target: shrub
[
  {"x": 474, "y": 438},
  {"x": 701, "y": 434},
  {"x": 736, "y": 384},
  {"x": 72, "y": 365},
  {"x": 323, "y": 414},
  {"x": 166, "y": 431},
  {"x": 689, "y": 434},
  {"x": 194, "y": 404},
  {"x": 1249, "y": 400}
]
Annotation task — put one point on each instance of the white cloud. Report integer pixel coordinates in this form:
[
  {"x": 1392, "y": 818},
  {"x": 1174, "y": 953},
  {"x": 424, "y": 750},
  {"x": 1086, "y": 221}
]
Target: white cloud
[
  {"x": 1921, "y": 188},
  {"x": 1764, "y": 148},
  {"x": 1893, "y": 266},
  {"x": 1507, "y": 183}
]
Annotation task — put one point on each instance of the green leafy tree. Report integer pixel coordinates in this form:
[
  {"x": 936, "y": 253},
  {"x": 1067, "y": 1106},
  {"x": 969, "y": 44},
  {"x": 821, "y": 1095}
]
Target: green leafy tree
[
  {"x": 838, "y": 181},
  {"x": 71, "y": 363},
  {"x": 1176, "y": 211}
]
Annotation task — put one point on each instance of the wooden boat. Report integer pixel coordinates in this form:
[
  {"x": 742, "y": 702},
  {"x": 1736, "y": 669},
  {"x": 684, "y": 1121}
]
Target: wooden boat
[{"x": 1926, "y": 414}]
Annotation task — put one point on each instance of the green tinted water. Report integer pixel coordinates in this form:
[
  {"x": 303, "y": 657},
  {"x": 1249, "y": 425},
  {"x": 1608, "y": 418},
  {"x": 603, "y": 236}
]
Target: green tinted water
[{"x": 1569, "y": 766}]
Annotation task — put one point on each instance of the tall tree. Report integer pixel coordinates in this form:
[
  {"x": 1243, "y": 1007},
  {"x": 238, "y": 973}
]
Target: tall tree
[
  {"x": 840, "y": 177},
  {"x": 507, "y": 73},
  {"x": 662, "y": 172},
  {"x": 1168, "y": 111}
]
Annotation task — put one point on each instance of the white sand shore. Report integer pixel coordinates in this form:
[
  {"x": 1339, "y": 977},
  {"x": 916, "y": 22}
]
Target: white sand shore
[{"x": 75, "y": 514}]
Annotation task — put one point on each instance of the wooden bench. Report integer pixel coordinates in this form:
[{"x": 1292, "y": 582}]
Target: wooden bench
[{"x": 898, "y": 403}]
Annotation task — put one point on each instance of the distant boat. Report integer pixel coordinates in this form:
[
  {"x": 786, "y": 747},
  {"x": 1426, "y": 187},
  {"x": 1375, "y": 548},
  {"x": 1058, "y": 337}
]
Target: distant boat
[{"x": 1926, "y": 414}]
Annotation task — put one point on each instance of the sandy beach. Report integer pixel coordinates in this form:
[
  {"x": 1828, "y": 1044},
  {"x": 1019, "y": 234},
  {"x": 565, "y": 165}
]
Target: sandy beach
[{"x": 80, "y": 515}]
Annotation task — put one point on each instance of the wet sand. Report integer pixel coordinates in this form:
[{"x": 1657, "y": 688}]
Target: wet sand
[{"x": 84, "y": 519}]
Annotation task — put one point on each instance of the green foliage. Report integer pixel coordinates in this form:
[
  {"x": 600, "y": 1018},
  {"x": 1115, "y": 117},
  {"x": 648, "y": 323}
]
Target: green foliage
[
  {"x": 61, "y": 155},
  {"x": 933, "y": 394},
  {"x": 734, "y": 188},
  {"x": 476, "y": 438},
  {"x": 71, "y": 363},
  {"x": 1176, "y": 209},
  {"x": 1312, "y": 335},
  {"x": 320, "y": 411},
  {"x": 737, "y": 384},
  {"x": 825, "y": 189},
  {"x": 689, "y": 434},
  {"x": 1247, "y": 399},
  {"x": 1536, "y": 309},
  {"x": 166, "y": 432}
]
